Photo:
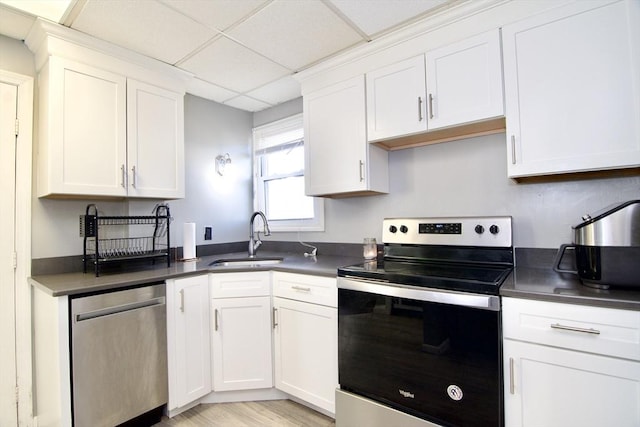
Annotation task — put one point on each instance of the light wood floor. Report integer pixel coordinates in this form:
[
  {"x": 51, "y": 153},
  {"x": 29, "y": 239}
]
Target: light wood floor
[{"x": 271, "y": 413}]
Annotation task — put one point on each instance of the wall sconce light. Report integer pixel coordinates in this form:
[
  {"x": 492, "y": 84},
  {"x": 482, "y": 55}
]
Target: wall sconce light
[{"x": 221, "y": 162}]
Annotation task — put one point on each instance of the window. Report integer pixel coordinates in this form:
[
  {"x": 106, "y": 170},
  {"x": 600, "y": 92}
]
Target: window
[{"x": 278, "y": 158}]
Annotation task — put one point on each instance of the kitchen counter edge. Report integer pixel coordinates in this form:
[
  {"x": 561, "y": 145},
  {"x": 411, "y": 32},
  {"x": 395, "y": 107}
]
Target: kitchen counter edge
[
  {"x": 57, "y": 285},
  {"x": 544, "y": 284}
]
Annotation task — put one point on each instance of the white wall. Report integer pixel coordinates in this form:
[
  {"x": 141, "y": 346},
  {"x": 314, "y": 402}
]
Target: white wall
[{"x": 15, "y": 57}]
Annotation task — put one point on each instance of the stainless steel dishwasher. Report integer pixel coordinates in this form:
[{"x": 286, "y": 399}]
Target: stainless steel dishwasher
[{"x": 119, "y": 355}]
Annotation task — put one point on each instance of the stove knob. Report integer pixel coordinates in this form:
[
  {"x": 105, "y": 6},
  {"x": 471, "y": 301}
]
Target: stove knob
[
  {"x": 479, "y": 229},
  {"x": 403, "y": 228},
  {"x": 494, "y": 229},
  {"x": 393, "y": 229}
]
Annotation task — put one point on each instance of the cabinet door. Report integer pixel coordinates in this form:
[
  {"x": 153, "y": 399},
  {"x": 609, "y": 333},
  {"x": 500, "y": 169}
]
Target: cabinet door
[
  {"x": 572, "y": 84},
  {"x": 155, "y": 141},
  {"x": 229, "y": 285},
  {"x": 396, "y": 100},
  {"x": 188, "y": 339},
  {"x": 242, "y": 343},
  {"x": 338, "y": 158},
  {"x": 546, "y": 386},
  {"x": 82, "y": 148},
  {"x": 306, "y": 351},
  {"x": 464, "y": 81}
]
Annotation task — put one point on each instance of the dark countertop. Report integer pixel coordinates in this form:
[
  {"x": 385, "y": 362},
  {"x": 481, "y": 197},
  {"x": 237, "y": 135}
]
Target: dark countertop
[
  {"x": 544, "y": 284},
  {"x": 79, "y": 283}
]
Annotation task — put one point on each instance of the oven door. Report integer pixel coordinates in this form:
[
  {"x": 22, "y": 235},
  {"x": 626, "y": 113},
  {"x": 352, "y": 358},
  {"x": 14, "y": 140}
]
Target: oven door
[{"x": 433, "y": 354}]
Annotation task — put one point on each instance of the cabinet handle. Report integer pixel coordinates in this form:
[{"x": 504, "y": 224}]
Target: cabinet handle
[
  {"x": 512, "y": 387},
  {"x": 274, "y": 313},
  {"x": 361, "y": 171},
  {"x": 301, "y": 288},
  {"x": 420, "y": 109},
  {"x": 182, "y": 300},
  {"x": 133, "y": 174},
  {"x": 431, "y": 106},
  {"x": 124, "y": 177},
  {"x": 215, "y": 319},
  {"x": 513, "y": 149},
  {"x": 575, "y": 329}
]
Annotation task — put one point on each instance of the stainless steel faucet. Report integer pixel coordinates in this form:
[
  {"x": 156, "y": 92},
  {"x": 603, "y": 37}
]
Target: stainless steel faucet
[{"x": 253, "y": 243}]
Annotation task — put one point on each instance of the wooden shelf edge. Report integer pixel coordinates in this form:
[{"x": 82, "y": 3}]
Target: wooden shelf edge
[{"x": 487, "y": 127}]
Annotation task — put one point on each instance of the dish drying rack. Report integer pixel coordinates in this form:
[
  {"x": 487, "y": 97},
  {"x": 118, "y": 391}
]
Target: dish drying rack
[{"x": 139, "y": 237}]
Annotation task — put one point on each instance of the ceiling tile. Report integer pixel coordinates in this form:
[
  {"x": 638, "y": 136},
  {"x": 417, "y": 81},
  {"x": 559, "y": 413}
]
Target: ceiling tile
[
  {"x": 246, "y": 103},
  {"x": 147, "y": 27},
  {"x": 277, "y": 92},
  {"x": 15, "y": 24},
  {"x": 374, "y": 16},
  {"x": 208, "y": 90},
  {"x": 295, "y": 33},
  {"x": 220, "y": 14},
  {"x": 233, "y": 66}
]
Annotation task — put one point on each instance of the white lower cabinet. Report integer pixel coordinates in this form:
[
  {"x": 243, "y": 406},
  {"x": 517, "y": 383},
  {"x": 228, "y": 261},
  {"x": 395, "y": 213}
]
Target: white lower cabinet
[
  {"x": 568, "y": 365},
  {"x": 305, "y": 340},
  {"x": 241, "y": 331},
  {"x": 189, "y": 349}
]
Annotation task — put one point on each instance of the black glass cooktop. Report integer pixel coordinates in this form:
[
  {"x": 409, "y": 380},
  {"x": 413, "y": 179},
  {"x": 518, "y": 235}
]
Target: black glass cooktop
[{"x": 484, "y": 278}]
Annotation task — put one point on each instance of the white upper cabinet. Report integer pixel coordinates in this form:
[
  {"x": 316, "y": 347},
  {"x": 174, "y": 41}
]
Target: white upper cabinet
[
  {"x": 155, "y": 141},
  {"x": 464, "y": 81},
  {"x": 338, "y": 158},
  {"x": 396, "y": 99},
  {"x": 572, "y": 84},
  {"x": 463, "y": 85},
  {"x": 111, "y": 122},
  {"x": 83, "y": 136}
]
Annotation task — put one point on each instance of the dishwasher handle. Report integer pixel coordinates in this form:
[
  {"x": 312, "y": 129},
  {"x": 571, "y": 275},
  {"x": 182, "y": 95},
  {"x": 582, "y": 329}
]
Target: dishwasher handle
[{"x": 119, "y": 309}]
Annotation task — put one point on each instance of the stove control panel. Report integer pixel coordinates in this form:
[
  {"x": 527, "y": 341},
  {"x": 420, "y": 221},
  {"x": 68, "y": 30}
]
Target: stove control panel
[{"x": 463, "y": 231}]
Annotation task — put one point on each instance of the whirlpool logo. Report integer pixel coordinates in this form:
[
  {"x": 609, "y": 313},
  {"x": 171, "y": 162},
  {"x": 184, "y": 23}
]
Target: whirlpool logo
[{"x": 407, "y": 394}]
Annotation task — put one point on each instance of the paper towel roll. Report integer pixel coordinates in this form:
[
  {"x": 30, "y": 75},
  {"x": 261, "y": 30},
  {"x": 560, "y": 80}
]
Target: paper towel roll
[{"x": 189, "y": 240}]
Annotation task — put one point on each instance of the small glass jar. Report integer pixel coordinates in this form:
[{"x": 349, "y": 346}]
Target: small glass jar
[{"x": 370, "y": 248}]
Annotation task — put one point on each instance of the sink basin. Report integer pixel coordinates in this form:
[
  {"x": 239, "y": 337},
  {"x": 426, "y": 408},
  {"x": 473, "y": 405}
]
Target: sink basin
[{"x": 245, "y": 262}]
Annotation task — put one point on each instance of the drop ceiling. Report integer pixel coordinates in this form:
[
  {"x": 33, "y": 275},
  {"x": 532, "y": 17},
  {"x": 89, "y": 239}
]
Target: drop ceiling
[{"x": 242, "y": 53}]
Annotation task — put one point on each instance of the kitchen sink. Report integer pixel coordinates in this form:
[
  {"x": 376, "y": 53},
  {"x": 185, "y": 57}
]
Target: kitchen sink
[{"x": 245, "y": 262}]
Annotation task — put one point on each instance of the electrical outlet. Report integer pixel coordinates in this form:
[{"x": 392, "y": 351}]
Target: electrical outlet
[{"x": 207, "y": 233}]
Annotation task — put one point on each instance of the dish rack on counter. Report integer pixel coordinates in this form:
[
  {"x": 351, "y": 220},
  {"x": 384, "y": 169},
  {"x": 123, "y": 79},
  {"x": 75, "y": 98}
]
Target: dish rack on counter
[{"x": 124, "y": 238}]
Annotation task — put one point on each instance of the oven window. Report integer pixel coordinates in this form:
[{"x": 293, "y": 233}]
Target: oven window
[{"x": 435, "y": 361}]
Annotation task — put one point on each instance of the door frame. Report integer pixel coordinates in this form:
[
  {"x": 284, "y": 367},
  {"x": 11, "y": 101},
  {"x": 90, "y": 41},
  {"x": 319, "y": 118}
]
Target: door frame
[{"x": 24, "y": 150}]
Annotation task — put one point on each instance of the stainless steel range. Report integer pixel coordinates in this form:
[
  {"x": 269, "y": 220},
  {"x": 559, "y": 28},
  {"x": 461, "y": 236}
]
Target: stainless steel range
[{"x": 419, "y": 331}]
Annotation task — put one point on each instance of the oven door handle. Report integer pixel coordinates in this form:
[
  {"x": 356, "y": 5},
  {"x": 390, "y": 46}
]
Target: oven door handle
[{"x": 485, "y": 302}]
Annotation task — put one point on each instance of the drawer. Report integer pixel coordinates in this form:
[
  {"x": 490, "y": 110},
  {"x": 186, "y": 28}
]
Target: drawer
[
  {"x": 597, "y": 330},
  {"x": 231, "y": 285},
  {"x": 306, "y": 288}
]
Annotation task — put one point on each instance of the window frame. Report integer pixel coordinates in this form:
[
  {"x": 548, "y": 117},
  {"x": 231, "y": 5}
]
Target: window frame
[{"x": 267, "y": 138}]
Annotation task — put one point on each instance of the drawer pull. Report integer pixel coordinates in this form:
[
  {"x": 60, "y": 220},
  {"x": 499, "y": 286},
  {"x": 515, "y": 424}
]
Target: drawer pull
[
  {"x": 301, "y": 288},
  {"x": 574, "y": 329}
]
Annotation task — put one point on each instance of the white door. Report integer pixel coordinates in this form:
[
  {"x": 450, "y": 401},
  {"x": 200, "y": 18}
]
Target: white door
[
  {"x": 549, "y": 387},
  {"x": 241, "y": 343},
  {"x": 155, "y": 141},
  {"x": 8, "y": 378},
  {"x": 396, "y": 99},
  {"x": 306, "y": 351}
]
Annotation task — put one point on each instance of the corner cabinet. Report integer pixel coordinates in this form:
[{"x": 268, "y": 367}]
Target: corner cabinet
[
  {"x": 569, "y": 365},
  {"x": 306, "y": 337},
  {"x": 463, "y": 85},
  {"x": 572, "y": 84},
  {"x": 338, "y": 159},
  {"x": 188, "y": 340},
  {"x": 241, "y": 331}
]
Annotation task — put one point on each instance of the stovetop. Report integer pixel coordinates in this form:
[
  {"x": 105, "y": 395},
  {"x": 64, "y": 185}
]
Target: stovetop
[
  {"x": 469, "y": 254},
  {"x": 485, "y": 279}
]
